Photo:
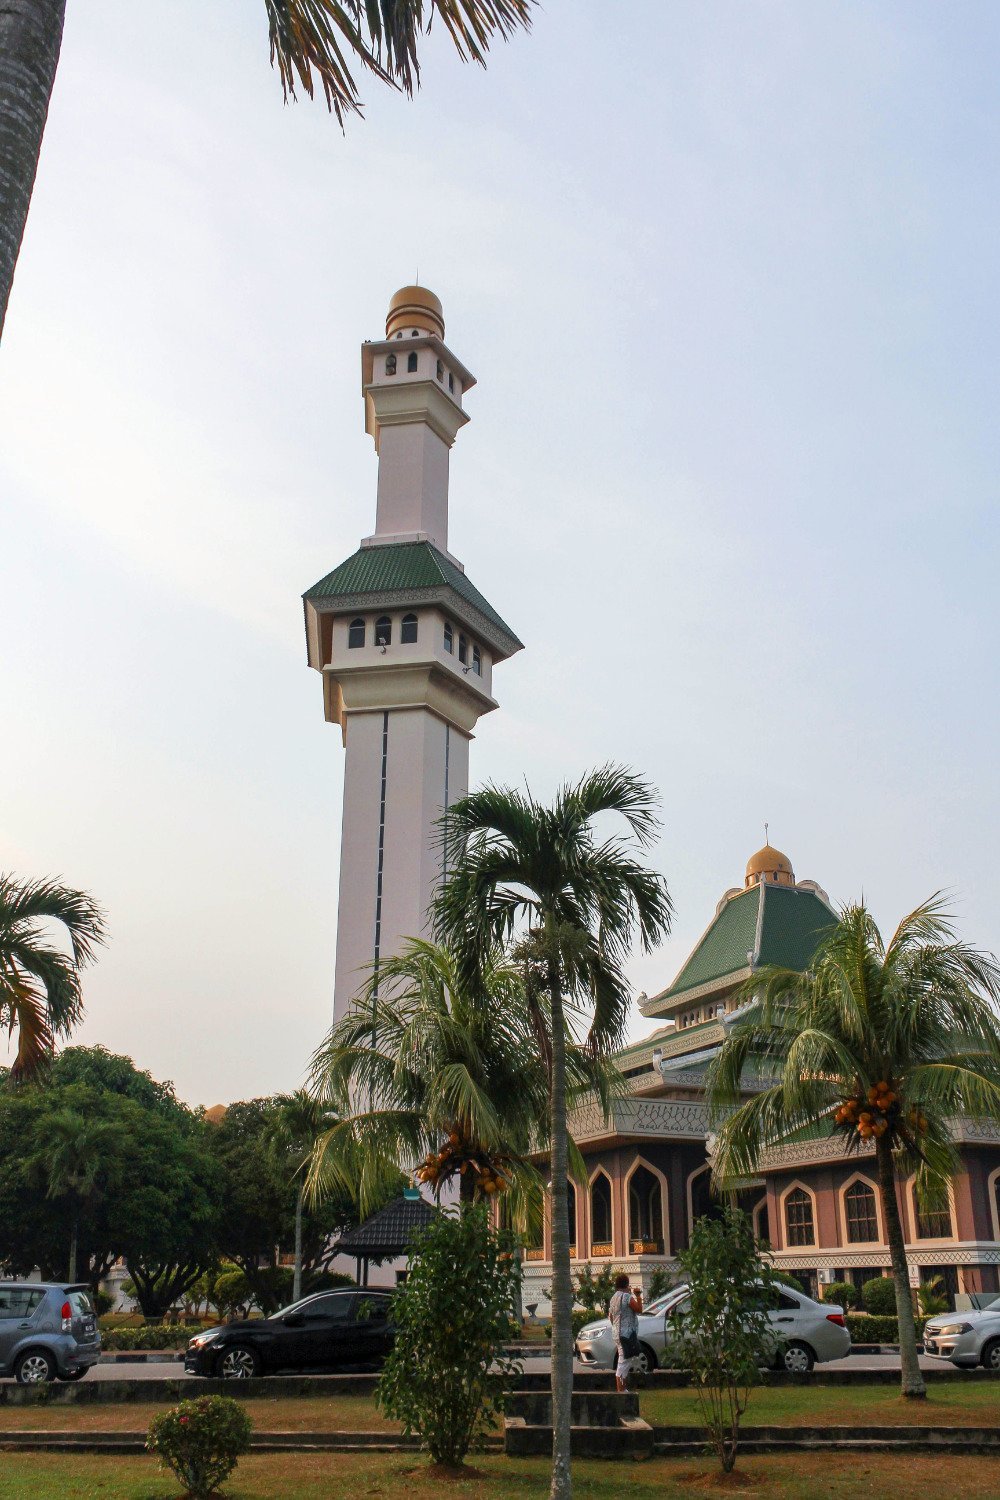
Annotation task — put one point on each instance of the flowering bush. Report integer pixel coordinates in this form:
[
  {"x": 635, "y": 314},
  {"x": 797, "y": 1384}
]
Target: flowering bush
[{"x": 200, "y": 1441}]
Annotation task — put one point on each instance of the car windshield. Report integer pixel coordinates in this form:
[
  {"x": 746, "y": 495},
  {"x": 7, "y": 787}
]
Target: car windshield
[{"x": 665, "y": 1303}]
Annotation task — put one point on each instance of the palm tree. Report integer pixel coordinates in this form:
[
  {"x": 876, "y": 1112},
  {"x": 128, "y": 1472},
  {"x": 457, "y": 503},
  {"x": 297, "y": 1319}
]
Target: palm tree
[
  {"x": 881, "y": 1043},
  {"x": 310, "y": 40},
  {"x": 40, "y": 995},
  {"x": 76, "y": 1154},
  {"x": 426, "y": 1070},
  {"x": 583, "y": 899},
  {"x": 298, "y": 1123}
]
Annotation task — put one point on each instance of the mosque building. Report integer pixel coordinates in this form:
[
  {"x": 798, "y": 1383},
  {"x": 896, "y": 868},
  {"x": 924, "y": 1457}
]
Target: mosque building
[{"x": 648, "y": 1167}]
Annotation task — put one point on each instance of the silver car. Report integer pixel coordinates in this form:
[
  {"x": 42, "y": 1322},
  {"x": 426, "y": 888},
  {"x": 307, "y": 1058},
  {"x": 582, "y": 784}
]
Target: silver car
[
  {"x": 966, "y": 1338},
  {"x": 806, "y": 1333},
  {"x": 47, "y": 1329}
]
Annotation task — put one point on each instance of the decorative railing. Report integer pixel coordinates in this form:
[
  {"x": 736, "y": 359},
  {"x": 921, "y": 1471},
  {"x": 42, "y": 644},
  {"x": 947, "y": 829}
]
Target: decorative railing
[
  {"x": 599, "y": 1249},
  {"x": 535, "y": 1254},
  {"x": 646, "y": 1247},
  {"x": 668, "y": 1118}
]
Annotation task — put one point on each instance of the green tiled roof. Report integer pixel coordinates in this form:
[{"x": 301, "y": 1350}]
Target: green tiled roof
[
  {"x": 793, "y": 923},
  {"x": 402, "y": 567}
]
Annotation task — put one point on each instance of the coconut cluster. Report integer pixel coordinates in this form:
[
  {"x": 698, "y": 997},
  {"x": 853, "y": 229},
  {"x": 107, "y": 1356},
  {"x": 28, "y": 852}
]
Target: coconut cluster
[
  {"x": 456, "y": 1158},
  {"x": 876, "y": 1113}
]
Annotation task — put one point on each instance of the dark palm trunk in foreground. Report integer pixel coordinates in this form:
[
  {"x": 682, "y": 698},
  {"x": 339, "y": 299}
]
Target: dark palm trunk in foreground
[
  {"x": 562, "y": 1290},
  {"x": 30, "y": 38},
  {"x": 913, "y": 1380}
]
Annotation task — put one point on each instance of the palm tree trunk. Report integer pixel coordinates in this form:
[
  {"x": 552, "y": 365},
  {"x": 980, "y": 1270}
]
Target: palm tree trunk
[
  {"x": 30, "y": 38},
  {"x": 562, "y": 1290},
  {"x": 913, "y": 1380},
  {"x": 297, "y": 1273}
]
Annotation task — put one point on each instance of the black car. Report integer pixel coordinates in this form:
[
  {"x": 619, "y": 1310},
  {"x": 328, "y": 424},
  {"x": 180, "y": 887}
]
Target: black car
[{"x": 328, "y": 1329}]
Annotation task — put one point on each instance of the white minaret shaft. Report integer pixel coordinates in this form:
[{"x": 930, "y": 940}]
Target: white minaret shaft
[{"x": 406, "y": 646}]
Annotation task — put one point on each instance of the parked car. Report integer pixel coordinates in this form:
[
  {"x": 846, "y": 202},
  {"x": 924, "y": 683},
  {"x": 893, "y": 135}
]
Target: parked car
[
  {"x": 47, "y": 1329},
  {"x": 806, "y": 1333},
  {"x": 966, "y": 1338},
  {"x": 320, "y": 1332}
]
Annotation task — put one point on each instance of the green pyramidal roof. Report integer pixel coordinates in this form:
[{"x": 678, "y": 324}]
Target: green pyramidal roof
[
  {"x": 403, "y": 567},
  {"x": 767, "y": 924}
]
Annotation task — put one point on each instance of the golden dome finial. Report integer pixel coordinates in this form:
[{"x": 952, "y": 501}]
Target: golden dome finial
[
  {"x": 769, "y": 864},
  {"x": 414, "y": 309}
]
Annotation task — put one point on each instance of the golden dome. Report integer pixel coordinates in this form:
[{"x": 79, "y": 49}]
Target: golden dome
[
  {"x": 414, "y": 307},
  {"x": 769, "y": 864},
  {"x": 216, "y": 1114}
]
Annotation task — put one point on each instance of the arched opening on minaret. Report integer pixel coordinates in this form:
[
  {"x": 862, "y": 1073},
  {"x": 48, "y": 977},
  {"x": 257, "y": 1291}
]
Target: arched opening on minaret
[
  {"x": 383, "y": 631},
  {"x": 408, "y": 630},
  {"x": 356, "y": 634},
  {"x": 449, "y": 636},
  {"x": 411, "y": 362}
]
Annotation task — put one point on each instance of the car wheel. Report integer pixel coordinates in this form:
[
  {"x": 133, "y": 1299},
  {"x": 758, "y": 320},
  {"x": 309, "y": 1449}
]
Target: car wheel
[
  {"x": 74, "y": 1374},
  {"x": 991, "y": 1355},
  {"x": 796, "y": 1358},
  {"x": 239, "y": 1362},
  {"x": 645, "y": 1361},
  {"x": 35, "y": 1367}
]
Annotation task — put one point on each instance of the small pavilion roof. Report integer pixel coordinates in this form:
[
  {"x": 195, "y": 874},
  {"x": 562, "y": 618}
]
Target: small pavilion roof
[{"x": 389, "y": 1232}]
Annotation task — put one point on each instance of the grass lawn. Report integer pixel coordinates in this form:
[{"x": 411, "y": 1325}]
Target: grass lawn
[
  {"x": 341, "y": 1476},
  {"x": 954, "y": 1404},
  {"x": 951, "y": 1405}
]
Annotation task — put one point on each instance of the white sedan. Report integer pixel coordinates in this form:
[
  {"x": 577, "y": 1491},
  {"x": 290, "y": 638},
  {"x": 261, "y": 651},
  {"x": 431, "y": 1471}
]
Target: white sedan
[
  {"x": 967, "y": 1338},
  {"x": 807, "y": 1333}
]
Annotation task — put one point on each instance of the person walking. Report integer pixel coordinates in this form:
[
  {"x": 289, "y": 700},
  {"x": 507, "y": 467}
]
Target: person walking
[{"x": 623, "y": 1311}]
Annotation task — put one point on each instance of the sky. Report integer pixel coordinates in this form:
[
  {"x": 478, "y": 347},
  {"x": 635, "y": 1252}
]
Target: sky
[{"x": 726, "y": 273}]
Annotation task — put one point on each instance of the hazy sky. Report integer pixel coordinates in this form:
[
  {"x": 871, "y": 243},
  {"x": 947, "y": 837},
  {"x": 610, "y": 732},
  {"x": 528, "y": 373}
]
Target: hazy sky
[{"x": 727, "y": 273}]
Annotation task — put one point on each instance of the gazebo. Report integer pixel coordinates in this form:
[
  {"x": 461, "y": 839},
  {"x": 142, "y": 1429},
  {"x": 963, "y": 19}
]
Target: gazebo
[{"x": 386, "y": 1234}]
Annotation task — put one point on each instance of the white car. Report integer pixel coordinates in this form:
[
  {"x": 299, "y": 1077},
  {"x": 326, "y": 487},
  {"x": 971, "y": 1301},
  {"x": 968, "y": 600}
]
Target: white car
[
  {"x": 807, "y": 1333},
  {"x": 966, "y": 1338}
]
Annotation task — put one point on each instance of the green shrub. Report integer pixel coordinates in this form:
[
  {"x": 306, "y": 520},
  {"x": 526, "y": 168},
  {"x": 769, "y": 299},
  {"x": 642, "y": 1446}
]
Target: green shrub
[
  {"x": 844, "y": 1292},
  {"x": 201, "y": 1441},
  {"x": 103, "y": 1302},
  {"x": 868, "y": 1330},
  {"x": 792, "y": 1282},
  {"x": 660, "y": 1282},
  {"x": 879, "y": 1297},
  {"x": 149, "y": 1336},
  {"x": 581, "y": 1316},
  {"x": 448, "y": 1375}
]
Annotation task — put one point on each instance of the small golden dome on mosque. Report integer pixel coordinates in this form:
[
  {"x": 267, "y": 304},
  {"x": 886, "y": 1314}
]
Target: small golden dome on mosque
[
  {"x": 216, "y": 1114},
  {"x": 769, "y": 864},
  {"x": 414, "y": 309}
]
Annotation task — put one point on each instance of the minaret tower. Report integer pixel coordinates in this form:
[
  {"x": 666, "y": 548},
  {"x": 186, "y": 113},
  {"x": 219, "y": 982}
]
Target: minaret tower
[{"x": 406, "y": 646}]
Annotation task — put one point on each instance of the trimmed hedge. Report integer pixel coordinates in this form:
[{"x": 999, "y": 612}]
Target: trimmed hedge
[
  {"x": 149, "y": 1336},
  {"x": 843, "y": 1292},
  {"x": 868, "y": 1330}
]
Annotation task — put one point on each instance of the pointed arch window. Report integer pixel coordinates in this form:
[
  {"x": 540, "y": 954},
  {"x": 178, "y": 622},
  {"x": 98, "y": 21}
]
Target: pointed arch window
[
  {"x": 356, "y": 634},
  {"x": 645, "y": 1213},
  {"x": 933, "y": 1216},
  {"x": 411, "y": 362},
  {"x": 408, "y": 630},
  {"x": 600, "y": 1215},
  {"x": 449, "y": 636},
  {"x": 477, "y": 661},
  {"x": 383, "y": 631},
  {"x": 860, "y": 1213},
  {"x": 571, "y": 1215},
  {"x": 799, "y": 1227},
  {"x": 463, "y": 650}
]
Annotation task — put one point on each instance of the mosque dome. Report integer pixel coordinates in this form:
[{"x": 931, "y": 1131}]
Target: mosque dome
[
  {"x": 769, "y": 864},
  {"x": 414, "y": 309},
  {"x": 216, "y": 1114}
]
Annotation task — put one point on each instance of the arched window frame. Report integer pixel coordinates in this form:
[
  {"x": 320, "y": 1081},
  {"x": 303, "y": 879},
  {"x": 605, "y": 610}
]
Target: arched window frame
[
  {"x": 930, "y": 1239},
  {"x": 408, "y": 630},
  {"x": 383, "y": 630},
  {"x": 783, "y": 1215},
  {"x": 463, "y": 649},
  {"x": 357, "y": 628},
  {"x": 449, "y": 637},
  {"x": 761, "y": 1206},
  {"x": 842, "y": 1201},
  {"x": 992, "y": 1192},
  {"x": 600, "y": 1172},
  {"x": 411, "y": 362},
  {"x": 664, "y": 1234},
  {"x": 477, "y": 661},
  {"x": 573, "y": 1215},
  {"x": 689, "y": 1193}
]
